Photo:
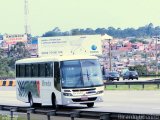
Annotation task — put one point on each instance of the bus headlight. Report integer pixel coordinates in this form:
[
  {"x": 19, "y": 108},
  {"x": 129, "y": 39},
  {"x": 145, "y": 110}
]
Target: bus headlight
[
  {"x": 67, "y": 94},
  {"x": 100, "y": 92}
]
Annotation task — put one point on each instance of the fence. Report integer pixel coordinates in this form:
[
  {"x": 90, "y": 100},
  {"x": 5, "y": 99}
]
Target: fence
[
  {"x": 78, "y": 114},
  {"x": 143, "y": 83}
]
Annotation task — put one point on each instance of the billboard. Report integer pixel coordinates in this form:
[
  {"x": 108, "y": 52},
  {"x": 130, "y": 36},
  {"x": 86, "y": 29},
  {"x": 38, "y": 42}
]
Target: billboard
[
  {"x": 70, "y": 45},
  {"x": 11, "y": 39}
]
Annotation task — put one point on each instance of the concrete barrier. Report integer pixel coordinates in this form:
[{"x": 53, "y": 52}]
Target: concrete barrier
[
  {"x": 1, "y": 82},
  {"x": 7, "y": 83}
]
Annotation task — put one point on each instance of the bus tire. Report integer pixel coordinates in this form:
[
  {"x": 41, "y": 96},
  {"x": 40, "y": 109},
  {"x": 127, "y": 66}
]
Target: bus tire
[
  {"x": 30, "y": 99},
  {"x": 90, "y": 104},
  {"x": 54, "y": 103}
]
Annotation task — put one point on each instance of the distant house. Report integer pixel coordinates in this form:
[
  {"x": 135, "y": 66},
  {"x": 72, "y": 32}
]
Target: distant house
[
  {"x": 138, "y": 45},
  {"x": 119, "y": 66},
  {"x": 124, "y": 49}
]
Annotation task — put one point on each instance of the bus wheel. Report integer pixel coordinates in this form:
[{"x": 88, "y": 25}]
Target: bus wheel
[
  {"x": 54, "y": 103},
  {"x": 90, "y": 104},
  {"x": 30, "y": 100}
]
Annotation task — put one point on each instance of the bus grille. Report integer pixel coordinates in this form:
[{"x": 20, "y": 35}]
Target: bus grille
[
  {"x": 79, "y": 99},
  {"x": 77, "y": 90}
]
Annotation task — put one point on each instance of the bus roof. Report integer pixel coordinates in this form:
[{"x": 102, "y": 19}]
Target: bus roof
[{"x": 54, "y": 58}]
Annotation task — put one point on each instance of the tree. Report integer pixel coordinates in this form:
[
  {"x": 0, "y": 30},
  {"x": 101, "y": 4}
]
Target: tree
[
  {"x": 5, "y": 70},
  {"x": 141, "y": 69},
  {"x": 133, "y": 40},
  {"x": 100, "y": 31},
  {"x": 89, "y": 31},
  {"x": 55, "y": 32},
  {"x": 1, "y": 53},
  {"x": 75, "y": 32},
  {"x": 18, "y": 51},
  {"x": 144, "y": 31}
]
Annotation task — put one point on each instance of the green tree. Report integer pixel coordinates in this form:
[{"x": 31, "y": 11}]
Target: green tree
[
  {"x": 5, "y": 70},
  {"x": 141, "y": 69},
  {"x": 7, "y": 61},
  {"x": 17, "y": 52},
  {"x": 55, "y": 32},
  {"x": 75, "y": 32},
  {"x": 133, "y": 40}
]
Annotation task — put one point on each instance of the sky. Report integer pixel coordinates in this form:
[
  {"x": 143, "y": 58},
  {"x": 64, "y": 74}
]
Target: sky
[{"x": 45, "y": 15}]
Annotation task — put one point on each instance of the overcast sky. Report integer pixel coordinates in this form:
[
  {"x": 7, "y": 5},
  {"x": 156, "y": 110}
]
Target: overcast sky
[{"x": 44, "y": 15}]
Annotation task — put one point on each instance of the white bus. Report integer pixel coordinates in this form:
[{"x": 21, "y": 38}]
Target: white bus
[{"x": 59, "y": 80}]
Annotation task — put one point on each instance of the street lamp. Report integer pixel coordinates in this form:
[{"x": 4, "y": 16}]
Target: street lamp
[{"x": 108, "y": 38}]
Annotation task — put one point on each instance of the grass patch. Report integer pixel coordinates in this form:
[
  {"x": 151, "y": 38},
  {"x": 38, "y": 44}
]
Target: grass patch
[
  {"x": 151, "y": 87},
  {"x": 151, "y": 77},
  {"x": 136, "y": 87},
  {"x": 118, "y": 87},
  {"x": 8, "y": 117},
  {"x": 131, "y": 87}
]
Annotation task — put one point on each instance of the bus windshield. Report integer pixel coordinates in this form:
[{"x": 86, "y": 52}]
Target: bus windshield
[{"x": 81, "y": 73}]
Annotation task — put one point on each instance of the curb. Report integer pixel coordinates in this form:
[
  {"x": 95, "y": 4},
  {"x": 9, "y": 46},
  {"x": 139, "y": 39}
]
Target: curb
[{"x": 7, "y": 83}]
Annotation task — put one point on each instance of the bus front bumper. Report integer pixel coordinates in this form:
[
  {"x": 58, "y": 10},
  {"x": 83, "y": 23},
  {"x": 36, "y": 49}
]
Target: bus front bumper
[{"x": 81, "y": 99}]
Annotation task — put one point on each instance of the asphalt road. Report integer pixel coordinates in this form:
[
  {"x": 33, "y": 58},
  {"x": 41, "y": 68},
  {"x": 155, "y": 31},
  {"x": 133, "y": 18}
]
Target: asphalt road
[{"x": 114, "y": 101}]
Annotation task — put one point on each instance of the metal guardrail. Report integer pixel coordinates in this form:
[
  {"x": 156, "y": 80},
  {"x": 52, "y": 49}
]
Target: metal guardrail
[
  {"x": 143, "y": 83},
  {"x": 77, "y": 114}
]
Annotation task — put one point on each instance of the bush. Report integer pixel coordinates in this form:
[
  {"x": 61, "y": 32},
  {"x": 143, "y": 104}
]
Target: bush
[{"x": 141, "y": 69}]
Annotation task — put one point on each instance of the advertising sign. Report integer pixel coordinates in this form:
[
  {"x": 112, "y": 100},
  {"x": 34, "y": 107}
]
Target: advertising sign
[
  {"x": 70, "y": 45},
  {"x": 13, "y": 39}
]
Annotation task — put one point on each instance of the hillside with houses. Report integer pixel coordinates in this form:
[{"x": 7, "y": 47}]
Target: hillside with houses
[{"x": 128, "y": 48}]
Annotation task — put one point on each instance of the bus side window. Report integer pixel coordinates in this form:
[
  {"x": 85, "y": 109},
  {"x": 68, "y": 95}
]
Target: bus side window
[
  {"x": 57, "y": 76},
  {"x": 17, "y": 71},
  {"x": 42, "y": 70},
  {"x": 49, "y": 69},
  {"x": 28, "y": 70},
  {"x": 34, "y": 70},
  {"x": 21, "y": 70}
]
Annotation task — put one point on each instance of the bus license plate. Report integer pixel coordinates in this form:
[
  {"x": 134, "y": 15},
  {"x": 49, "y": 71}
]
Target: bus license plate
[{"x": 84, "y": 98}]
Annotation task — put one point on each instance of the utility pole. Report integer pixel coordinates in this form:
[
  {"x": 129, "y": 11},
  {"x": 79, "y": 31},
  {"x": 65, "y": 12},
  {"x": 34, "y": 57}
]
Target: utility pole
[
  {"x": 108, "y": 39},
  {"x": 145, "y": 51},
  {"x": 26, "y": 13},
  {"x": 156, "y": 55},
  {"x": 110, "y": 63},
  {"x": 27, "y": 25},
  {"x": 156, "y": 58}
]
